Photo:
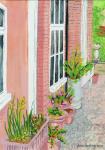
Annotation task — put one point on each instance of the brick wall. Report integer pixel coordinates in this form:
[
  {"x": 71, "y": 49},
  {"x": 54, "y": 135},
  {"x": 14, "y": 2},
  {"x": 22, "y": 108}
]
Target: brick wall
[
  {"x": 43, "y": 54},
  {"x": 74, "y": 25}
]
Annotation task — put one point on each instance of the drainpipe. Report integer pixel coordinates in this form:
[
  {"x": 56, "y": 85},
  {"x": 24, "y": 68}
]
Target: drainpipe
[
  {"x": 66, "y": 35},
  {"x": 66, "y": 30}
]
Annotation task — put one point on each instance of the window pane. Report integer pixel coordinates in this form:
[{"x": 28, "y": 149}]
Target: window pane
[
  {"x": 61, "y": 11},
  {"x": 52, "y": 71},
  {"x": 61, "y": 41},
  {"x": 57, "y": 40},
  {"x": 61, "y": 65},
  {"x": 1, "y": 17},
  {"x": 1, "y": 63},
  {"x": 52, "y": 42},
  {"x": 56, "y": 69},
  {"x": 56, "y": 11},
  {"x": 52, "y": 11}
]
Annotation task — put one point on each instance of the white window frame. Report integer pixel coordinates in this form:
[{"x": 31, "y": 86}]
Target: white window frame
[
  {"x": 59, "y": 27},
  {"x": 84, "y": 34},
  {"x": 32, "y": 54},
  {"x": 4, "y": 96}
]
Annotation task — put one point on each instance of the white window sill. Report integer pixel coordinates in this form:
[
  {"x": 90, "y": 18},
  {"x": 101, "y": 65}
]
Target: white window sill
[
  {"x": 57, "y": 85},
  {"x": 4, "y": 99}
]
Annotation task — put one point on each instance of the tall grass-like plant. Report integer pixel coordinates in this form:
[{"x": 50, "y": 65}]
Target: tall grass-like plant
[{"x": 22, "y": 126}]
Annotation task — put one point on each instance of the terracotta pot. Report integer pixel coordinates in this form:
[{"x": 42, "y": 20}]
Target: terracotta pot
[
  {"x": 38, "y": 142},
  {"x": 95, "y": 78},
  {"x": 56, "y": 146},
  {"x": 64, "y": 105},
  {"x": 60, "y": 121},
  {"x": 70, "y": 115}
]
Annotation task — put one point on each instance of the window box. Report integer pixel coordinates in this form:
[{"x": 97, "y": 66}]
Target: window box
[{"x": 38, "y": 142}]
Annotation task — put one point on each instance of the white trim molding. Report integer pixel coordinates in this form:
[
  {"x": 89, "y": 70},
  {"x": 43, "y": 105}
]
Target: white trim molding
[
  {"x": 4, "y": 100},
  {"x": 57, "y": 85},
  {"x": 32, "y": 54},
  {"x": 4, "y": 96},
  {"x": 84, "y": 34}
]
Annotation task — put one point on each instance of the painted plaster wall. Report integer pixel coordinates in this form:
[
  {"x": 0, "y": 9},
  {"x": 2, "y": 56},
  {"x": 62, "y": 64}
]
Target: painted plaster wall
[
  {"x": 17, "y": 47},
  {"x": 17, "y": 54}
]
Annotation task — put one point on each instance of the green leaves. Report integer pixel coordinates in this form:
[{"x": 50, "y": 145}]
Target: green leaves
[
  {"x": 98, "y": 19},
  {"x": 74, "y": 67},
  {"x": 55, "y": 111},
  {"x": 56, "y": 133}
]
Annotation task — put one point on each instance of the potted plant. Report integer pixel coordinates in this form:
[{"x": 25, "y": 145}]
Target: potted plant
[
  {"x": 78, "y": 75},
  {"x": 61, "y": 98},
  {"x": 74, "y": 70},
  {"x": 95, "y": 78},
  {"x": 55, "y": 136},
  {"x": 25, "y": 130},
  {"x": 57, "y": 116},
  {"x": 63, "y": 101},
  {"x": 57, "y": 98}
]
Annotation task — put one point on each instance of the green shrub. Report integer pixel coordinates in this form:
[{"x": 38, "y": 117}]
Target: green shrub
[{"x": 97, "y": 22}]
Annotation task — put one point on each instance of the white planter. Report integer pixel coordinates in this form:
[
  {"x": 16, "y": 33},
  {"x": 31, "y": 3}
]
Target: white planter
[
  {"x": 76, "y": 101},
  {"x": 87, "y": 77},
  {"x": 78, "y": 88}
]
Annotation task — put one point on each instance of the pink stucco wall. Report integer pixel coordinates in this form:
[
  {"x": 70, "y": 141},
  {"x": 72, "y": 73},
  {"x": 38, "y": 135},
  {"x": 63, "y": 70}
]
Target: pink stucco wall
[
  {"x": 17, "y": 54},
  {"x": 17, "y": 68}
]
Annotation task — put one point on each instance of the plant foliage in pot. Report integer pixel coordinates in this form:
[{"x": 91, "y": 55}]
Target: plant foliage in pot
[
  {"x": 62, "y": 98},
  {"x": 75, "y": 70},
  {"x": 24, "y": 129},
  {"x": 55, "y": 136},
  {"x": 57, "y": 116}
]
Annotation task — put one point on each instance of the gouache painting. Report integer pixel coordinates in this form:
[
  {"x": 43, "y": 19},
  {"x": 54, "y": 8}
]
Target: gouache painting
[{"x": 52, "y": 74}]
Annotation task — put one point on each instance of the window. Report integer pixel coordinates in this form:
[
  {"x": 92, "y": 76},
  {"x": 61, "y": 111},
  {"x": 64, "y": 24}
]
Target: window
[
  {"x": 2, "y": 48},
  {"x": 4, "y": 96},
  {"x": 57, "y": 11},
  {"x": 57, "y": 38},
  {"x": 1, "y": 63}
]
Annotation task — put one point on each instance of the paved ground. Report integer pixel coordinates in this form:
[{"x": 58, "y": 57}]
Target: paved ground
[
  {"x": 100, "y": 68},
  {"x": 87, "y": 132}
]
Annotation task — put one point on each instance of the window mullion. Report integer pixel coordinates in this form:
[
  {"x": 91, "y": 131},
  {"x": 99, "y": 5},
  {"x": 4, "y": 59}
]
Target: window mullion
[
  {"x": 59, "y": 13},
  {"x": 63, "y": 55},
  {"x": 54, "y": 11},
  {"x": 59, "y": 57},
  {"x": 54, "y": 53}
]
